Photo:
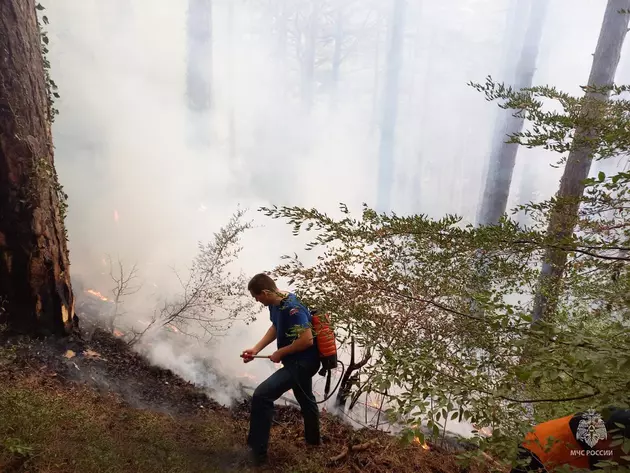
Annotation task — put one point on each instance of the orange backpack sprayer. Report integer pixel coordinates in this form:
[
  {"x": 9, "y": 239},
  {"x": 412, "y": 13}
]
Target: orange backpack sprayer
[
  {"x": 327, "y": 347},
  {"x": 325, "y": 339}
]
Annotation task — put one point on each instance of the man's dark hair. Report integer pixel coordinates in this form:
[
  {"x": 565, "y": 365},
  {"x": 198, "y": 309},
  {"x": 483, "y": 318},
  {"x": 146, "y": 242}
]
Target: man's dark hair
[{"x": 260, "y": 282}]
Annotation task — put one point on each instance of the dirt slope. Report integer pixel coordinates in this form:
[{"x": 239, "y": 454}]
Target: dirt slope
[{"x": 102, "y": 408}]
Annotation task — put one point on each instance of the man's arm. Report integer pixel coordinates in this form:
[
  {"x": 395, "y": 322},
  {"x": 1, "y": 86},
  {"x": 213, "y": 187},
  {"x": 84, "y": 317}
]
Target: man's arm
[{"x": 269, "y": 337}]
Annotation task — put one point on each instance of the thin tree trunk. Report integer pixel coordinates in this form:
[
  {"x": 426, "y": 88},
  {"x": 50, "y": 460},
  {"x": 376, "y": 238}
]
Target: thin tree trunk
[
  {"x": 503, "y": 157},
  {"x": 336, "y": 61},
  {"x": 282, "y": 31},
  {"x": 231, "y": 119},
  {"x": 35, "y": 290},
  {"x": 199, "y": 70},
  {"x": 375, "y": 80},
  {"x": 282, "y": 38},
  {"x": 346, "y": 381},
  {"x": 308, "y": 62},
  {"x": 390, "y": 107},
  {"x": 565, "y": 214}
]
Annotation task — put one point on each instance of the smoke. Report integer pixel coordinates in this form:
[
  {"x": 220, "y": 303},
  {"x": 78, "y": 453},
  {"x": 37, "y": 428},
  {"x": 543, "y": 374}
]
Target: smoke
[
  {"x": 143, "y": 187},
  {"x": 194, "y": 364}
]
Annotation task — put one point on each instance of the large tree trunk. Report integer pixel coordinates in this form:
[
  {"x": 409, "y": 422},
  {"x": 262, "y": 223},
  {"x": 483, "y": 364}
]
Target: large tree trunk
[
  {"x": 565, "y": 214},
  {"x": 390, "y": 107},
  {"x": 35, "y": 289},
  {"x": 503, "y": 156}
]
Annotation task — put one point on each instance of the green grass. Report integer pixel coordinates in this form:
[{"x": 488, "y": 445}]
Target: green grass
[{"x": 79, "y": 431}]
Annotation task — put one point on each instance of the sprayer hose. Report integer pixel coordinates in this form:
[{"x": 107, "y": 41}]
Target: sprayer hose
[{"x": 343, "y": 368}]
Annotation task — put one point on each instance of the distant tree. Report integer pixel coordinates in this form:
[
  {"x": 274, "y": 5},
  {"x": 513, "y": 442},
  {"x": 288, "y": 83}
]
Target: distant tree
[
  {"x": 35, "y": 289},
  {"x": 503, "y": 156},
  {"x": 390, "y": 106},
  {"x": 199, "y": 65}
]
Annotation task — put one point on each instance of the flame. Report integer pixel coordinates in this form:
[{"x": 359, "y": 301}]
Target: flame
[
  {"x": 422, "y": 444},
  {"x": 483, "y": 431},
  {"x": 172, "y": 328},
  {"x": 116, "y": 216},
  {"x": 374, "y": 404},
  {"x": 118, "y": 333},
  {"x": 97, "y": 294}
]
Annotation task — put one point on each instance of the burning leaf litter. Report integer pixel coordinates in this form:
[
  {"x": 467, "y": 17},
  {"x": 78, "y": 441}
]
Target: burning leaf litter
[{"x": 97, "y": 294}]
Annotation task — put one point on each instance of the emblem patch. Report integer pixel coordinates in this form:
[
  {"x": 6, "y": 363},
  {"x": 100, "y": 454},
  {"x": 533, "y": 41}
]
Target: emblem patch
[{"x": 591, "y": 428}]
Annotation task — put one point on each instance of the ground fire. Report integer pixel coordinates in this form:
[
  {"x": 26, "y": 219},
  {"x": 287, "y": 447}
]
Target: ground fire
[
  {"x": 424, "y": 445},
  {"x": 97, "y": 294}
]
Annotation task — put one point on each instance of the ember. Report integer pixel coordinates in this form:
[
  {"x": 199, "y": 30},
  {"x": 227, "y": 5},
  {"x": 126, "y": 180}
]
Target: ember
[{"x": 97, "y": 294}]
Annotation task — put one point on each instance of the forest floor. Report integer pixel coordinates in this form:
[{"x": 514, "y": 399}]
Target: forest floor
[{"x": 68, "y": 405}]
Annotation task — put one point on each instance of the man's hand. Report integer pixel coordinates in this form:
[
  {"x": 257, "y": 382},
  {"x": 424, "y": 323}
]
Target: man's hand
[
  {"x": 248, "y": 355},
  {"x": 276, "y": 356}
]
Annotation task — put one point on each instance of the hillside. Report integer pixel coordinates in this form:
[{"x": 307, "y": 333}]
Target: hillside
[{"x": 75, "y": 406}]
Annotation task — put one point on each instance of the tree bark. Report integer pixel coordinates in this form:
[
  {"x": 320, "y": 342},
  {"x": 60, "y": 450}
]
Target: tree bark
[
  {"x": 564, "y": 216},
  {"x": 503, "y": 156},
  {"x": 35, "y": 288}
]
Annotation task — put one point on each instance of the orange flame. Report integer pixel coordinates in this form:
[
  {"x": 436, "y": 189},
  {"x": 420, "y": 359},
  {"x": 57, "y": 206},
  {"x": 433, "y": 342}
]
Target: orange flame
[
  {"x": 422, "y": 444},
  {"x": 118, "y": 333},
  {"x": 97, "y": 294}
]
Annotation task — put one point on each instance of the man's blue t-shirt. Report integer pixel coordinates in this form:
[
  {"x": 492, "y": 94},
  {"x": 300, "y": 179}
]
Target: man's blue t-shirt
[{"x": 289, "y": 314}]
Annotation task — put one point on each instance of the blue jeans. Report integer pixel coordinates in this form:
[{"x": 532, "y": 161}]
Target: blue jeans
[{"x": 295, "y": 375}]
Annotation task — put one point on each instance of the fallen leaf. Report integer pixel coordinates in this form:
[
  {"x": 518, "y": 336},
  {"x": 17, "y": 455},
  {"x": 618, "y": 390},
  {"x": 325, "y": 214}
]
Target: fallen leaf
[
  {"x": 70, "y": 354},
  {"x": 91, "y": 354}
]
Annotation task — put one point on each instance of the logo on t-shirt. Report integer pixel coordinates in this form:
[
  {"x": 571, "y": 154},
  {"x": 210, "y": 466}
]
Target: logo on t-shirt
[{"x": 294, "y": 311}]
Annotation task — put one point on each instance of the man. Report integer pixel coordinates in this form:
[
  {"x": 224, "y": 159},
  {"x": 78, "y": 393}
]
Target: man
[
  {"x": 581, "y": 441},
  {"x": 290, "y": 326}
]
